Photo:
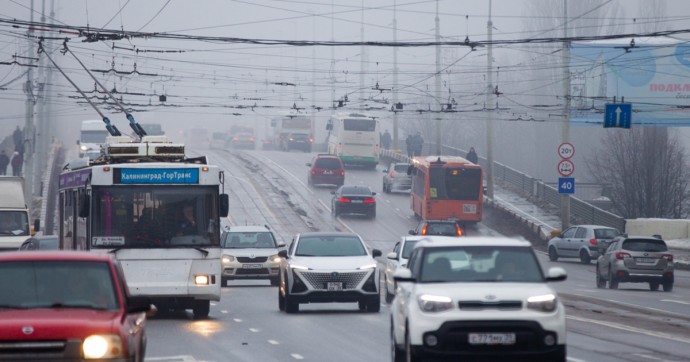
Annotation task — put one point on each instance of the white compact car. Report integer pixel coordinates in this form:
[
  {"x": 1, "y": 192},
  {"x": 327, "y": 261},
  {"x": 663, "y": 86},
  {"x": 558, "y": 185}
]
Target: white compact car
[
  {"x": 326, "y": 267},
  {"x": 250, "y": 252},
  {"x": 398, "y": 258},
  {"x": 476, "y": 297}
]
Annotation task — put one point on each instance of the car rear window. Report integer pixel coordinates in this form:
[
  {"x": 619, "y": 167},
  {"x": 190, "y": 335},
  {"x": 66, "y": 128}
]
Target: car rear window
[
  {"x": 605, "y": 233},
  {"x": 401, "y": 167},
  {"x": 299, "y": 136},
  {"x": 644, "y": 245},
  {"x": 330, "y": 163},
  {"x": 356, "y": 191},
  {"x": 441, "y": 229}
]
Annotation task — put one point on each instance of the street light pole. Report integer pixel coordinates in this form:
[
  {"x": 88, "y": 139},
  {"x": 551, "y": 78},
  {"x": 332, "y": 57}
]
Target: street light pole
[
  {"x": 565, "y": 198},
  {"x": 438, "y": 81},
  {"x": 489, "y": 113}
]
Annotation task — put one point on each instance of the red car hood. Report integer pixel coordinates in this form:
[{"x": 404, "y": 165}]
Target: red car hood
[{"x": 53, "y": 324}]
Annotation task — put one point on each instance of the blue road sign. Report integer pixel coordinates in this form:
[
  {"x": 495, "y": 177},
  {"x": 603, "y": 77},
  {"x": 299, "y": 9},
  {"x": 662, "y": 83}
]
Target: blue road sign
[
  {"x": 618, "y": 115},
  {"x": 566, "y": 185}
]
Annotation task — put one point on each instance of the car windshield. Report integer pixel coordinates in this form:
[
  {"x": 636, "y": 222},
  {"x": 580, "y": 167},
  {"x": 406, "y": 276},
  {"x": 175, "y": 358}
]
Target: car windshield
[
  {"x": 408, "y": 247},
  {"x": 644, "y": 245},
  {"x": 56, "y": 284},
  {"x": 480, "y": 264},
  {"x": 605, "y": 233},
  {"x": 245, "y": 240},
  {"x": 330, "y": 246},
  {"x": 329, "y": 162},
  {"x": 365, "y": 191},
  {"x": 14, "y": 223}
]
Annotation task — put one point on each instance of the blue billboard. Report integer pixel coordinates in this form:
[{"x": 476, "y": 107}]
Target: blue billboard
[{"x": 651, "y": 74}]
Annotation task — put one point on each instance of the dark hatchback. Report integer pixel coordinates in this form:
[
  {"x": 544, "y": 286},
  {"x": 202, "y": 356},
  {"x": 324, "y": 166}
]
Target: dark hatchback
[
  {"x": 326, "y": 169},
  {"x": 298, "y": 141},
  {"x": 437, "y": 227},
  {"x": 354, "y": 200}
]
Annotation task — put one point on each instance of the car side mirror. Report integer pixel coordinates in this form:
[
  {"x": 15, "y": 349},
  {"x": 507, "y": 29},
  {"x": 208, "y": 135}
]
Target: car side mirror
[
  {"x": 373, "y": 193},
  {"x": 403, "y": 275},
  {"x": 556, "y": 274},
  {"x": 281, "y": 244},
  {"x": 309, "y": 164},
  {"x": 376, "y": 253},
  {"x": 283, "y": 254},
  {"x": 392, "y": 255},
  {"x": 411, "y": 232},
  {"x": 332, "y": 192},
  {"x": 385, "y": 171}
]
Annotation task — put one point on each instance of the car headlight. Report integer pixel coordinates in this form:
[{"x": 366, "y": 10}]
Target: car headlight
[
  {"x": 274, "y": 258},
  {"x": 434, "y": 303},
  {"x": 368, "y": 266},
  {"x": 543, "y": 303},
  {"x": 102, "y": 346},
  {"x": 83, "y": 148},
  {"x": 227, "y": 259}
]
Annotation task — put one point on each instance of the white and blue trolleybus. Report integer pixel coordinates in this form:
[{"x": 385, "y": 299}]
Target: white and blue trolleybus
[{"x": 157, "y": 211}]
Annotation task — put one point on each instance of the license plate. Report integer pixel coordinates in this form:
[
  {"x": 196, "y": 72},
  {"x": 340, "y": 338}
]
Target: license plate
[
  {"x": 327, "y": 172},
  {"x": 646, "y": 260},
  {"x": 491, "y": 338},
  {"x": 333, "y": 286},
  {"x": 251, "y": 266},
  {"x": 356, "y": 201},
  {"x": 469, "y": 209}
]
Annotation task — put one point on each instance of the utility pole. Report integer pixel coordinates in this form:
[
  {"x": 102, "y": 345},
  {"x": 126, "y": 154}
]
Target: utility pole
[
  {"x": 29, "y": 121},
  {"x": 395, "y": 78},
  {"x": 565, "y": 198},
  {"x": 362, "y": 51},
  {"x": 40, "y": 131},
  {"x": 489, "y": 112},
  {"x": 437, "y": 79},
  {"x": 332, "y": 60}
]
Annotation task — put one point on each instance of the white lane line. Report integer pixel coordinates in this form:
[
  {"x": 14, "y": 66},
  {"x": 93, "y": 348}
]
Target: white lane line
[
  {"x": 573, "y": 359},
  {"x": 631, "y": 329},
  {"x": 296, "y": 356},
  {"x": 237, "y": 320},
  {"x": 273, "y": 342},
  {"x": 648, "y": 357},
  {"x": 173, "y": 358},
  {"x": 643, "y": 307},
  {"x": 675, "y": 301},
  {"x": 224, "y": 311},
  {"x": 254, "y": 330}
]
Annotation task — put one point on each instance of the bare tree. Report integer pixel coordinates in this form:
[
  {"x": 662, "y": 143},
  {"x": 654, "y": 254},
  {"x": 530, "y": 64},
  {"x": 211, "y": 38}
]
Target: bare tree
[{"x": 647, "y": 171}]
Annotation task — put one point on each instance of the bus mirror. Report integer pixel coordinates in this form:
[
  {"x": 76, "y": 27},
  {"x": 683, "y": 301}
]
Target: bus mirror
[
  {"x": 37, "y": 225},
  {"x": 84, "y": 201},
  {"x": 77, "y": 141},
  {"x": 224, "y": 205}
]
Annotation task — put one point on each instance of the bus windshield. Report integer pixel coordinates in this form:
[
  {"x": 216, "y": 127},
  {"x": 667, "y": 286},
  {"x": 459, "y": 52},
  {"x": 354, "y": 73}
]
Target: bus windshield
[
  {"x": 359, "y": 124},
  {"x": 94, "y": 136},
  {"x": 455, "y": 183},
  {"x": 154, "y": 217}
]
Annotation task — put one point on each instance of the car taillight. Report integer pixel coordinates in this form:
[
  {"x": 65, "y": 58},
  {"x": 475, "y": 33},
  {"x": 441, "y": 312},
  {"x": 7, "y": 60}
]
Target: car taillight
[
  {"x": 370, "y": 200},
  {"x": 424, "y": 230},
  {"x": 234, "y": 138},
  {"x": 392, "y": 173},
  {"x": 343, "y": 199},
  {"x": 621, "y": 255},
  {"x": 311, "y": 140},
  {"x": 668, "y": 257},
  {"x": 313, "y": 172},
  {"x": 459, "y": 230},
  {"x": 342, "y": 172},
  {"x": 251, "y": 139},
  {"x": 593, "y": 241}
]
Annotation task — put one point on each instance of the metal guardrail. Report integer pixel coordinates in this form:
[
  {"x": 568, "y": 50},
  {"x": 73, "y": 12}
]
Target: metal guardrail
[{"x": 580, "y": 210}]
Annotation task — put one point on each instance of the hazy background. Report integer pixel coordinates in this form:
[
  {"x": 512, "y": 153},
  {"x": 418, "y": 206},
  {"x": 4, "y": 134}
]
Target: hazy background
[{"x": 217, "y": 84}]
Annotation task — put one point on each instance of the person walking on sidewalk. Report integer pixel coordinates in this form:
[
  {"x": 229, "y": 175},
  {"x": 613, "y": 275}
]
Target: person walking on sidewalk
[
  {"x": 4, "y": 161},
  {"x": 17, "y": 163},
  {"x": 472, "y": 156}
]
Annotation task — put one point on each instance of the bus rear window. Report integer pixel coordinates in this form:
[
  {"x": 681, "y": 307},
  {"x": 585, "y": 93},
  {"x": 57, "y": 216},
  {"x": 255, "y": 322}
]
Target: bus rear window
[
  {"x": 455, "y": 183},
  {"x": 362, "y": 125}
]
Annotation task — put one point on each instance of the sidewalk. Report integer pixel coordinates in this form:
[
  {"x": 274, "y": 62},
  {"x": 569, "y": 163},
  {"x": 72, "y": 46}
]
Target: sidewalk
[{"x": 542, "y": 221}]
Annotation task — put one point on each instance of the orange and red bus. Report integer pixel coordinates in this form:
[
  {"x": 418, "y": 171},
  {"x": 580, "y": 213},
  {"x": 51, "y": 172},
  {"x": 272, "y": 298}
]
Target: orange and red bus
[{"x": 446, "y": 187}]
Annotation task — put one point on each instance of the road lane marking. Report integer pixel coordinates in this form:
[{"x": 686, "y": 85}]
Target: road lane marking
[
  {"x": 648, "y": 357},
  {"x": 573, "y": 359},
  {"x": 631, "y": 329},
  {"x": 675, "y": 301},
  {"x": 173, "y": 358},
  {"x": 296, "y": 356},
  {"x": 254, "y": 330},
  {"x": 224, "y": 311},
  {"x": 237, "y": 320},
  {"x": 273, "y": 342}
]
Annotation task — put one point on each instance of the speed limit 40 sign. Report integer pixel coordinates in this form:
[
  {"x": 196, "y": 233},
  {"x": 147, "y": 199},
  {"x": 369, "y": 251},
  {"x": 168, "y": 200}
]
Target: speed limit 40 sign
[{"x": 566, "y": 150}]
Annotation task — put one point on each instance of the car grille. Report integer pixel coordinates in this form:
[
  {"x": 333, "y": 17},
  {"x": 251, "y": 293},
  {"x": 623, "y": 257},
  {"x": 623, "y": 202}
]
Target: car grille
[
  {"x": 258, "y": 259},
  {"x": 479, "y": 305},
  {"x": 318, "y": 281}
]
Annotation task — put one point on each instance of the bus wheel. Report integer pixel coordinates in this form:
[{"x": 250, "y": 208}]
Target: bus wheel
[{"x": 201, "y": 309}]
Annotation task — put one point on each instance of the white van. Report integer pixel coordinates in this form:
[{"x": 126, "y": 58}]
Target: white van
[
  {"x": 92, "y": 137},
  {"x": 14, "y": 214}
]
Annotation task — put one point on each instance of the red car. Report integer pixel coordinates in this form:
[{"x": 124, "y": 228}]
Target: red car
[
  {"x": 68, "y": 305},
  {"x": 326, "y": 169}
]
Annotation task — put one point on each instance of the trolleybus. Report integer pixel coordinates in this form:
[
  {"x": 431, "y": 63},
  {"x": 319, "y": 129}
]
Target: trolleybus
[
  {"x": 130, "y": 203},
  {"x": 446, "y": 187},
  {"x": 354, "y": 138}
]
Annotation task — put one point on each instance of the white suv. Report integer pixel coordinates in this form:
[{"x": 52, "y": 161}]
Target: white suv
[
  {"x": 329, "y": 267},
  {"x": 250, "y": 252},
  {"x": 476, "y": 297}
]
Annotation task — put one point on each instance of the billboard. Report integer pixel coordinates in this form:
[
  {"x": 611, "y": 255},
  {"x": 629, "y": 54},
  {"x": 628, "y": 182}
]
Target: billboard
[{"x": 653, "y": 74}]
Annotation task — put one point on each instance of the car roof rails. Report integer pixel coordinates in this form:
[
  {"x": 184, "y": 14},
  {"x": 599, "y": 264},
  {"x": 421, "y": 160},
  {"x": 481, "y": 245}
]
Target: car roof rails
[{"x": 657, "y": 236}]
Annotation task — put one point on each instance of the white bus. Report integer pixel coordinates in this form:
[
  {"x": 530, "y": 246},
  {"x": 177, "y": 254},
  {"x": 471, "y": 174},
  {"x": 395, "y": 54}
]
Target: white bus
[
  {"x": 292, "y": 130},
  {"x": 354, "y": 138},
  {"x": 91, "y": 137},
  {"x": 130, "y": 203}
]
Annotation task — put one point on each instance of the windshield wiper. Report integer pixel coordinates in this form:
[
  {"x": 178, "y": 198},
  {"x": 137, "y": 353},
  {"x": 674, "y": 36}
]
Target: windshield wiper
[{"x": 202, "y": 251}]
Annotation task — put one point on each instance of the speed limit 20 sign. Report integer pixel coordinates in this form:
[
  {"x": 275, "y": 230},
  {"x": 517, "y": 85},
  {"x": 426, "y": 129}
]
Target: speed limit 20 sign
[{"x": 566, "y": 150}]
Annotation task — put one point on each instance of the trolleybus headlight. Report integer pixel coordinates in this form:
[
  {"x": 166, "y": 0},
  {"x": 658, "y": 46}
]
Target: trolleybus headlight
[
  {"x": 102, "y": 346},
  {"x": 201, "y": 279},
  {"x": 226, "y": 259}
]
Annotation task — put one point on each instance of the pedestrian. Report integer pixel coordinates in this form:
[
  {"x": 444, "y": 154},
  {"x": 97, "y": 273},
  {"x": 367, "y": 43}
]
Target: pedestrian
[
  {"x": 18, "y": 138},
  {"x": 472, "y": 156},
  {"x": 17, "y": 163},
  {"x": 386, "y": 140},
  {"x": 418, "y": 142},
  {"x": 409, "y": 146},
  {"x": 4, "y": 161}
]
